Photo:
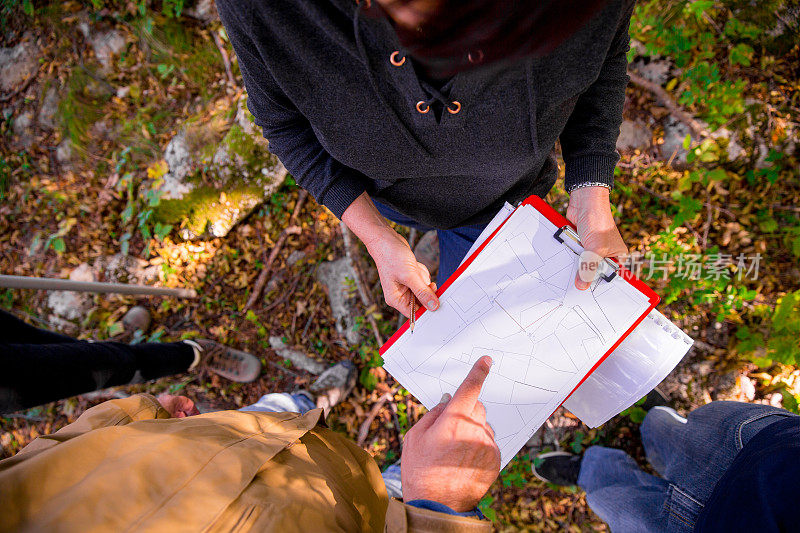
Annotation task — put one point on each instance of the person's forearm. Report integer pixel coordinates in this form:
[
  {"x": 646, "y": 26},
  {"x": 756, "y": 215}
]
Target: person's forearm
[{"x": 363, "y": 219}]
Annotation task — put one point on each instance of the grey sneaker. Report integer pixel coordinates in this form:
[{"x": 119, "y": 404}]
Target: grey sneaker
[
  {"x": 334, "y": 384},
  {"x": 229, "y": 363},
  {"x": 558, "y": 468}
]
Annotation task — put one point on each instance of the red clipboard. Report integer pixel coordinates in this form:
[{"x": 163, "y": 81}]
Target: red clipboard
[{"x": 560, "y": 221}]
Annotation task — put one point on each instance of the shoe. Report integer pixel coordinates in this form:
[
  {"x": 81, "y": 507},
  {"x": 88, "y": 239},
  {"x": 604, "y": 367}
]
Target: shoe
[
  {"x": 655, "y": 398},
  {"x": 333, "y": 385},
  {"x": 136, "y": 319},
  {"x": 229, "y": 363},
  {"x": 427, "y": 251},
  {"x": 558, "y": 468}
]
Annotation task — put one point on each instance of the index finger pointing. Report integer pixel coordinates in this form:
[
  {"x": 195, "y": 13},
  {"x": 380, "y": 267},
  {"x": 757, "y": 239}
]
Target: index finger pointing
[{"x": 467, "y": 394}]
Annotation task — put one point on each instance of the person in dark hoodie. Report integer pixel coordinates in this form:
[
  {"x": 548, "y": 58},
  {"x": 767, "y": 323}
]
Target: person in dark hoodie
[{"x": 433, "y": 113}]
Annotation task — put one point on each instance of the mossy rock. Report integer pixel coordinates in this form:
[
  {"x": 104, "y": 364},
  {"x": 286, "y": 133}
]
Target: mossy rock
[
  {"x": 207, "y": 211},
  {"x": 220, "y": 170}
]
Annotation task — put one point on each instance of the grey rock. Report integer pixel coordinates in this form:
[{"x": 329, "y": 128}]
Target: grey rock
[
  {"x": 119, "y": 268},
  {"x": 298, "y": 359},
  {"x": 633, "y": 135},
  {"x": 180, "y": 160},
  {"x": 338, "y": 278},
  {"x": 17, "y": 64},
  {"x": 734, "y": 150},
  {"x": 724, "y": 386},
  {"x": 64, "y": 152},
  {"x": 295, "y": 257},
  {"x": 106, "y": 45},
  {"x": 23, "y": 129},
  {"x": 137, "y": 318},
  {"x": 71, "y": 305},
  {"x": 655, "y": 70},
  {"x": 239, "y": 173},
  {"x": 763, "y": 153},
  {"x": 229, "y": 159},
  {"x": 675, "y": 132},
  {"x": 49, "y": 108},
  {"x": 204, "y": 10}
]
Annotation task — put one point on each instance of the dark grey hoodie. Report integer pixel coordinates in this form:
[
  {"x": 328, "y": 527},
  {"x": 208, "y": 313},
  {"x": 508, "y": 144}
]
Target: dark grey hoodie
[{"x": 345, "y": 119}]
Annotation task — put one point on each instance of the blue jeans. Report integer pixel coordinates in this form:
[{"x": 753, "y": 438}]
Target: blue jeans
[
  {"x": 691, "y": 455},
  {"x": 453, "y": 243},
  {"x": 302, "y": 402}
]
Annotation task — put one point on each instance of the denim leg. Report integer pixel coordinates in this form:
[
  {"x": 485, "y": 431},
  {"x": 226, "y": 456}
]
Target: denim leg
[
  {"x": 391, "y": 478},
  {"x": 630, "y": 500},
  {"x": 283, "y": 402},
  {"x": 694, "y": 452},
  {"x": 453, "y": 246}
]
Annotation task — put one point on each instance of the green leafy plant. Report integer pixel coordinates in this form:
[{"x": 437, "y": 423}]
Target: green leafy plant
[
  {"x": 635, "y": 412},
  {"x": 775, "y": 337},
  {"x": 138, "y": 212},
  {"x": 688, "y": 32}
]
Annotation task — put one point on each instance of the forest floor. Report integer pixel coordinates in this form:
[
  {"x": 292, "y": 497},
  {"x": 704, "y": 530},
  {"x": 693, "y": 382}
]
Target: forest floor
[{"x": 72, "y": 164}]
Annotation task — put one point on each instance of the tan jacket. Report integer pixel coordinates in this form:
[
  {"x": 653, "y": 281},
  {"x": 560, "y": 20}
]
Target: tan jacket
[{"x": 127, "y": 465}]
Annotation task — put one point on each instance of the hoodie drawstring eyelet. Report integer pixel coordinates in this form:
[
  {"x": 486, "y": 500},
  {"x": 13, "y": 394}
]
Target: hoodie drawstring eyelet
[
  {"x": 423, "y": 106},
  {"x": 393, "y": 59},
  {"x": 475, "y": 57}
]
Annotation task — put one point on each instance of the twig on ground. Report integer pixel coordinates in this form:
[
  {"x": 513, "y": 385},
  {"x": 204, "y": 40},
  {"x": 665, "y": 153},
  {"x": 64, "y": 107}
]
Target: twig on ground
[
  {"x": 396, "y": 422},
  {"x": 285, "y": 295},
  {"x": 363, "y": 431},
  {"x": 225, "y": 58},
  {"x": 366, "y": 298},
  {"x": 707, "y": 225},
  {"x": 6, "y": 97},
  {"x": 291, "y": 229},
  {"x": 698, "y": 130},
  {"x": 310, "y": 318}
]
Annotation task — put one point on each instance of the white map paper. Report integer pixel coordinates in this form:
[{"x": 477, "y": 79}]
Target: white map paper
[
  {"x": 632, "y": 370},
  {"x": 641, "y": 361},
  {"x": 517, "y": 303}
]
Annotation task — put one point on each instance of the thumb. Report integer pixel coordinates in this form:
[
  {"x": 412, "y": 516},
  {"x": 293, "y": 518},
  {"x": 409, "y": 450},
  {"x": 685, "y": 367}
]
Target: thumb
[
  {"x": 422, "y": 290},
  {"x": 588, "y": 264}
]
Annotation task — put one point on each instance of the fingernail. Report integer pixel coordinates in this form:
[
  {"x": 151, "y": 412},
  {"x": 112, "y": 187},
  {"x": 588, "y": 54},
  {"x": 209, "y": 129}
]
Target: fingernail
[
  {"x": 445, "y": 397},
  {"x": 432, "y": 305}
]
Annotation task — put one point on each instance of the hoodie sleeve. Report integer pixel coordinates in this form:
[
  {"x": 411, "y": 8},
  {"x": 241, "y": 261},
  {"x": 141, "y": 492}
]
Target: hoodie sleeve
[
  {"x": 289, "y": 133},
  {"x": 589, "y": 139}
]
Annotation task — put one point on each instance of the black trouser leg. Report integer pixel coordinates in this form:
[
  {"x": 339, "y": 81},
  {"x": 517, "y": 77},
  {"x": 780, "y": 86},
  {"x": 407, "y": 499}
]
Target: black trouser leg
[
  {"x": 33, "y": 374},
  {"x": 14, "y": 330}
]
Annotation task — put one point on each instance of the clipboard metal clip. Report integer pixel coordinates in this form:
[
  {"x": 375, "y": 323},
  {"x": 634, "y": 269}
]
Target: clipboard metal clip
[{"x": 573, "y": 235}]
